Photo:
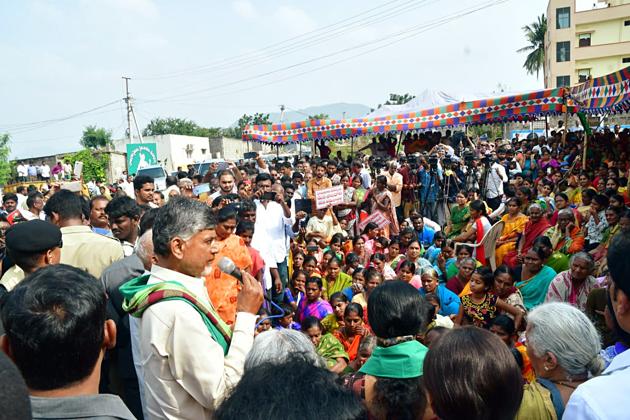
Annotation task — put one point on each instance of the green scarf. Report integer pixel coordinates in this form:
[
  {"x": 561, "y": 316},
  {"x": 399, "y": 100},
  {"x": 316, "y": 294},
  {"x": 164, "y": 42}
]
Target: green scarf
[
  {"x": 138, "y": 296},
  {"x": 401, "y": 361}
]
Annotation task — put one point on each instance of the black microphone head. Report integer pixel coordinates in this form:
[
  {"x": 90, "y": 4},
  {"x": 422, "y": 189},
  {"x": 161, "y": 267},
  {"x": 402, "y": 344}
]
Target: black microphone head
[{"x": 226, "y": 265}]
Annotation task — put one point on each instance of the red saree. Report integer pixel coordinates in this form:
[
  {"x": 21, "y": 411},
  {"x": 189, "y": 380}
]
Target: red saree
[{"x": 530, "y": 233}]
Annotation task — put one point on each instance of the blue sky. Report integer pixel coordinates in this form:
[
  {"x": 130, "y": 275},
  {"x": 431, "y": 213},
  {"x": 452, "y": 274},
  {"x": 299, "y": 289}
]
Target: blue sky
[{"x": 206, "y": 60}]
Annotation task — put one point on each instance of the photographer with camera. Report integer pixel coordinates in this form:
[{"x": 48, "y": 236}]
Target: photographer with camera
[
  {"x": 494, "y": 179},
  {"x": 429, "y": 177}
]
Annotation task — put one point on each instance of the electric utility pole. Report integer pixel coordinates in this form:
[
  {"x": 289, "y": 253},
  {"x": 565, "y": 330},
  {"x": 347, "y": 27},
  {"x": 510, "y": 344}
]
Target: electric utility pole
[{"x": 127, "y": 99}]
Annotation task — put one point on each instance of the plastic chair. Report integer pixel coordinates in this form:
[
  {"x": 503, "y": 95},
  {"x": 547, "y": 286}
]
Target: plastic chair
[{"x": 489, "y": 243}]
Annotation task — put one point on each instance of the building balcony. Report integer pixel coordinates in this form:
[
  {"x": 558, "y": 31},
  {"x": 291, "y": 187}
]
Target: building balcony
[
  {"x": 601, "y": 15},
  {"x": 603, "y": 50}
]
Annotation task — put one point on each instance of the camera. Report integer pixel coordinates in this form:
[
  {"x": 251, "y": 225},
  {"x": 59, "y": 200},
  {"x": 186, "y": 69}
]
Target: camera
[
  {"x": 433, "y": 160},
  {"x": 469, "y": 157}
]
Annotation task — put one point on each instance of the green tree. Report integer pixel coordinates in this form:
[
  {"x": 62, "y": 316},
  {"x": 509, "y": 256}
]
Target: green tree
[
  {"x": 159, "y": 126},
  {"x": 94, "y": 164},
  {"x": 535, "y": 35},
  {"x": 5, "y": 166},
  {"x": 95, "y": 138},
  {"x": 256, "y": 119},
  {"x": 319, "y": 117},
  {"x": 395, "y": 99}
]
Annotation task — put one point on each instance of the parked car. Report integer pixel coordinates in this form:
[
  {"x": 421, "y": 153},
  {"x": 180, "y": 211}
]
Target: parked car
[{"x": 157, "y": 173}]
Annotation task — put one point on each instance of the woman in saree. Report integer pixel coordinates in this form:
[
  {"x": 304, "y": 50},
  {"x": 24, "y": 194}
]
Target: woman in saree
[
  {"x": 514, "y": 222},
  {"x": 336, "y": 280},
  {"x": 566, "y": 239},
  {"x": 460, "y": 215},
  {"x": 358, "y": 198},
  {"x": 478, "y": 227},
  {"x": 382, "y": 201},
  {"x": 353, "y": 330},
  {"x": 535, "y": 227},
  {"x": 326, "y": 345},
  {"x": 562, "y": 202},
  {"x": 535, "y": 278},
  {"x": 313, "y": 305}
]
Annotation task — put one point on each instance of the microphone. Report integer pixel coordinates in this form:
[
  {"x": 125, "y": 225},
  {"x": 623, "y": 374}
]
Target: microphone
[{"x": 228, "y": 267}]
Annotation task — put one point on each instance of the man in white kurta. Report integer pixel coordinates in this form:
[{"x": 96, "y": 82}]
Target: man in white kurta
[{"x": 185, "y": 370}]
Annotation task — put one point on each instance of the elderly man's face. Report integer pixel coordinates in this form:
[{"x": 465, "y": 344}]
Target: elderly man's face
[{"x": 197, "y": 253}]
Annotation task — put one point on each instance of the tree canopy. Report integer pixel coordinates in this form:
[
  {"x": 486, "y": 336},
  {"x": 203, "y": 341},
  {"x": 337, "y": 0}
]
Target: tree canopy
[
  {"x": 319, "y": 117},
  {"x": 95, "y": 138},
  {"x": 5, "y": 166},
  {"x": 160, "y": 126},
  {"x": 256, "y": 119},
  {"x": 535, "y": 35}
]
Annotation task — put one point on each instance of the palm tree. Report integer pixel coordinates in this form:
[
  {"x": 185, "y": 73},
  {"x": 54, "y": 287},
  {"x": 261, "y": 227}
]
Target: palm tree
[{"x": 535, "y": 35}]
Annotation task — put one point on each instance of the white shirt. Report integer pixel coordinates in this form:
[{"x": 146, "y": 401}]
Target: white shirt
[
  {"x": 184, "y": 370},
  {"x": 45, "y": 171},
  {"x": 22, "y": 170},
  {"x": 496, "y": 178},
  {"x": 269, "y": 234},
  {"x": 603, "y": 397}
]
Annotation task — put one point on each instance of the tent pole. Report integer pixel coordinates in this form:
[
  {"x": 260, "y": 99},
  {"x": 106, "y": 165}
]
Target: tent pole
[
  {"x": 300, "y": 151},
  {"x": 399, "y": 143},
  {"x": 352, "y": 147},
  {"x": 584, "y": 151},
  {"x": 566, "y": 119}
]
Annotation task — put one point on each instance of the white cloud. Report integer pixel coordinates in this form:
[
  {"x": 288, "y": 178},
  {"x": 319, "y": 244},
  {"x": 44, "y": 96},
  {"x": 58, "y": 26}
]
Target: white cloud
[
  {"x": 295, "y": 20},
  {"x": 141, "y": 8},
  {"x": 244, "y": 9}
]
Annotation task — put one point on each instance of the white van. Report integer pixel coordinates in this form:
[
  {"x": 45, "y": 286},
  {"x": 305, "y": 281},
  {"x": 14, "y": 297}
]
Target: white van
[{"x": 157, "y": 173}]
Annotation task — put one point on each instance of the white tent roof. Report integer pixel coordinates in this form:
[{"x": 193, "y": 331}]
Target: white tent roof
[{"x": 428, "y": 99}]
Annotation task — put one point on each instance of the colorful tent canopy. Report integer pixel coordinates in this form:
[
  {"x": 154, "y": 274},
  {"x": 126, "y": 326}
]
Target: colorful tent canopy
[{"x": 607, "y": 93}]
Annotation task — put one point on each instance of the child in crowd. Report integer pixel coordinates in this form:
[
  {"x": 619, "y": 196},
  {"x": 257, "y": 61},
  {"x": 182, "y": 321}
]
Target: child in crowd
[
  {"x": 378, "y": 262},
  {"x": 503, "y": 327},
  {"x": 286, "y": 321},
  {"x": 263, "y": 321},
  {"x": 434, "y": 250},
  {"x": 334, "y": 321},
  {"x": 365, "y": 351},
  {"x": 352, "y": 263},
  {"x": 327, "y": 346},
  {"x": 294, "y": 294},
  {"x": 310, "y": 266},
  {"x": 373, "y": 279},
  {"x": 437, "y": 320},
  {"x": 358, "y": 284},
  {"x": 245, "y": 230},
  {"x": 481, "y": 305}
]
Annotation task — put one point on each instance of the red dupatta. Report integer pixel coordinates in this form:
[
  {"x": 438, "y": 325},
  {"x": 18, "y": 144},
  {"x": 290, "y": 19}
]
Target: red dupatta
[{"x": 480, "y": 254}]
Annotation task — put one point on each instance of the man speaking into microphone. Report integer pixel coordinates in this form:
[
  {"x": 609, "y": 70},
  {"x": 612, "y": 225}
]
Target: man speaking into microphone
[{"x": 189, "y": 355}]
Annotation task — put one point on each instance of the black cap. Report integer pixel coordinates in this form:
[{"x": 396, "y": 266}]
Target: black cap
[{"x": 33, "y": 236}]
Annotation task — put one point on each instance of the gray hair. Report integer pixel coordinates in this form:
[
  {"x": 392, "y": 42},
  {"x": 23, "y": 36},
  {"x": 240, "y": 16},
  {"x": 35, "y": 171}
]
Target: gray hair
[
  {"x": 144, "y": 247},
  {"x": 430, "y": 271},
  {"x": 534, "y": 206},
  {"x": 567, "y": 212},
  {"x": 568, "y": 334},
  {"x": 183, "y": 218},
  {"x": 468, "y": 260},
  {"x": 584, "y": 256},
  {"x": 278, "y": 346}
]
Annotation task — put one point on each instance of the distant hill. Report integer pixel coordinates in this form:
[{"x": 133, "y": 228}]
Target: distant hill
[{"x": 335, "y": 111}]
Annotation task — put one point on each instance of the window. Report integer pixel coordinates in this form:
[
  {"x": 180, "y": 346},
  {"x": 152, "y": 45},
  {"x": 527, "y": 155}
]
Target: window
[
  {"x": 583, "y": 75},
  {"x": 585, "y": 40},
  {"x": 625, "y": 60},
  {"x": 563, "y": 17},
  {"x": 562, "y": 81},
  {"x": 562, "y": 51}
]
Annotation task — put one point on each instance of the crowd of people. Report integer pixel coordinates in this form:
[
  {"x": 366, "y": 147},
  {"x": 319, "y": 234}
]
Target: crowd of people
[{"x": 454, "y": 279}]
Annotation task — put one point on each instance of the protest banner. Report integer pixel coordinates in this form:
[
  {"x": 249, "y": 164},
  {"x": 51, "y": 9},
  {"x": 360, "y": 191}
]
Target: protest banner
[
  {"x": 329, "y": 197},
  {"x": 377, "y": 217}
]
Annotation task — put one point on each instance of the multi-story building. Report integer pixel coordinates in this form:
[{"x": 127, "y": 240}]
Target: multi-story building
[{"x": 585, "y": 38}]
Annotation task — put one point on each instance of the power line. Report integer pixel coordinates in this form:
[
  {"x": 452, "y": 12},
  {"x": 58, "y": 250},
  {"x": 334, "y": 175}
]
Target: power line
[
  {"x": 401, "y": 35},
  {"x": 35, "y": 125},
  {"x": 300, "y": 45},
  {"x": 271, "y": 46}
]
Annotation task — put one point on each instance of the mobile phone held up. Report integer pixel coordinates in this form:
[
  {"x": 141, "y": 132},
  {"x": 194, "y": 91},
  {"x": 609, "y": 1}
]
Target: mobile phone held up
[{"x": 271, "y": 196}]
